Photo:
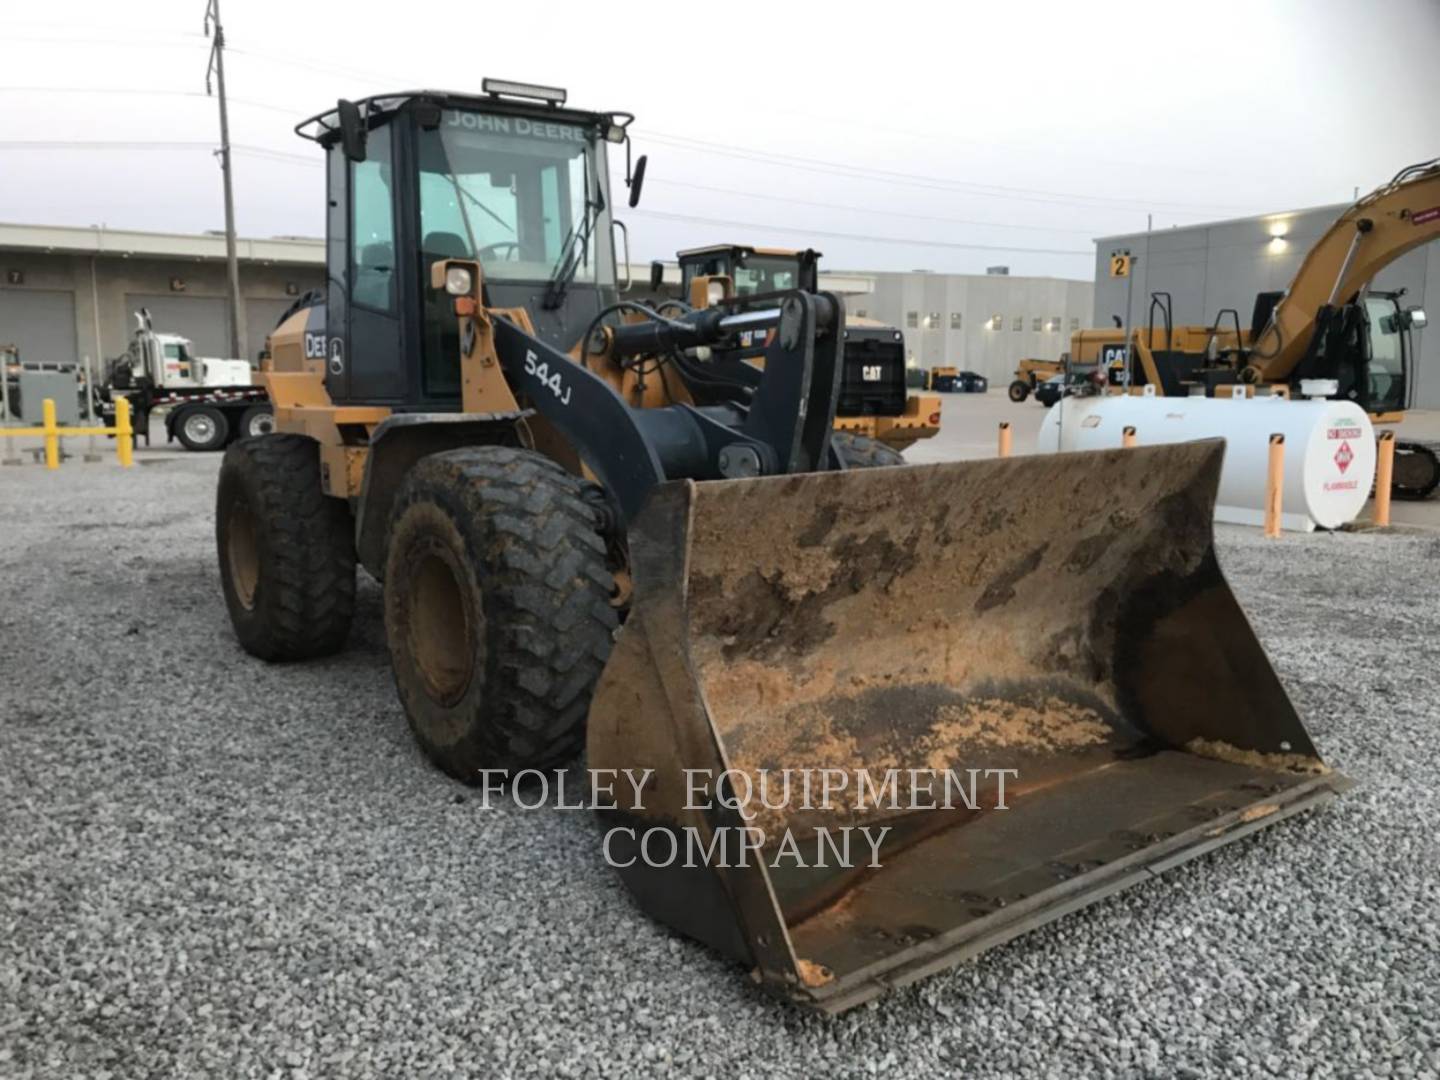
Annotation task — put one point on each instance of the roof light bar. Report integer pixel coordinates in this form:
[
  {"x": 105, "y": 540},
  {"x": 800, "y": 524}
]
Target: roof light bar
[{"x": 503, "y": 87}]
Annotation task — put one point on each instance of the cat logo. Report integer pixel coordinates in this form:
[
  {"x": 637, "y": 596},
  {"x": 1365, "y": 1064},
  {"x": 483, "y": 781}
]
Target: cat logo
[{"x": 870, "y": 373}]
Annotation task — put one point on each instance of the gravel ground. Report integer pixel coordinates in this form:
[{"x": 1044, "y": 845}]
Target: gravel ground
[{"x": 210, "y": 866}]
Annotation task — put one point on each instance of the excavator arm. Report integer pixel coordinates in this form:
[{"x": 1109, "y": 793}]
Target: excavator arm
[{"x": 1377, "y": 230}]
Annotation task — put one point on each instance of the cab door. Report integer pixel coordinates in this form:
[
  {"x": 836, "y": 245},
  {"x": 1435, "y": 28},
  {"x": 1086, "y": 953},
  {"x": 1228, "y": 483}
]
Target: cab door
[{"x": 364, "y": 358}]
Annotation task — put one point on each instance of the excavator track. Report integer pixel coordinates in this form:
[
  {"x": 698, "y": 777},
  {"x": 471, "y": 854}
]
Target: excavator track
[{"x": 1417, "y": 469}]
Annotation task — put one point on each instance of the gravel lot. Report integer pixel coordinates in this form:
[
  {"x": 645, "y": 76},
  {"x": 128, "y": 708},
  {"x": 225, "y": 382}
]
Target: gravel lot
[{"x": 209, "y": 866}]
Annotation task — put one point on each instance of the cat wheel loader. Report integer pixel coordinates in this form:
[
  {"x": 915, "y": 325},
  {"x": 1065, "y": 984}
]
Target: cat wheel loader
[
  {"x": 599, "y": 525},
  {"x": 874, "y": 401}
]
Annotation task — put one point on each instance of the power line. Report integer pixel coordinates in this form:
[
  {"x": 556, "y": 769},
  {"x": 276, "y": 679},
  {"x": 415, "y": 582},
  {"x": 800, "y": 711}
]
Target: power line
[
  {"x": 680, "y": 142},
  {"x": 137, "y": 42},
  {"x": 310, "y": 65},
  {"x": 867, "y": 209},
  {"x": 902, "y": 241},
  {"x": 142, "y": 92},
  {"x": 153, "y": 144},
  {"x": 103, "y": 144},
  {"x": 997, "y": 191}
]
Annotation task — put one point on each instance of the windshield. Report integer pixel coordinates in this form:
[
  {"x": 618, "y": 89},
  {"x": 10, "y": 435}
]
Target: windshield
[
  {"x": 1387, "y": 368},
  {"x": 514, "y": 192},
  {"x": 765, "y": 274},
  {"x": 750, "y": 274}
]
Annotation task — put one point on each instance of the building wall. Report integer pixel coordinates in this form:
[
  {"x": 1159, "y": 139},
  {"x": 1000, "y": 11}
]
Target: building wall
[
  {"x": 948, "y": 318},
  {"x": 1207, "y": 268},
  {"x": 53, "y": 281}
]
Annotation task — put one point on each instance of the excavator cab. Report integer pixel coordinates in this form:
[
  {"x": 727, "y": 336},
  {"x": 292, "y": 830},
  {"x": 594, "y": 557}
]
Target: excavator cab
[{"x": 1366, "y": 348}]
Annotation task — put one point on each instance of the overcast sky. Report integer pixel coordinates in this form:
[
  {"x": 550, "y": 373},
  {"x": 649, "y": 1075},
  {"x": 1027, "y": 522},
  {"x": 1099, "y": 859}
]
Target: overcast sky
[{"x": 890, "y": 136}]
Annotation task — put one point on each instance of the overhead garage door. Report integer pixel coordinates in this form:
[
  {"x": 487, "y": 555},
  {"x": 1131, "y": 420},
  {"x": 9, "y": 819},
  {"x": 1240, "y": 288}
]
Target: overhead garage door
[
  {"x": 202, "y": 319},
  {"x": 260, "y": 318},
  {"x": 40, "y": 322}
]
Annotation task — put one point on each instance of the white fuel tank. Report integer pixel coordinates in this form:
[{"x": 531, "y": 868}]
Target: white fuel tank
[{"x": 1329, "y": 448}]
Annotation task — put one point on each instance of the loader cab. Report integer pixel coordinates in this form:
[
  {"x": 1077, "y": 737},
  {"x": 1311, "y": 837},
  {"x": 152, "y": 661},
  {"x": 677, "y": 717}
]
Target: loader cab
[
  {"x": 510, "y": 178},
  {"x": 752, "y": 271}
]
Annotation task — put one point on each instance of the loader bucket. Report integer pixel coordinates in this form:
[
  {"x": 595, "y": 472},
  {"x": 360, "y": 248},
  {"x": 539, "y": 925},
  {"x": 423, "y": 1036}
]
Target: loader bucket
[{"x": 1060, "y": 617}]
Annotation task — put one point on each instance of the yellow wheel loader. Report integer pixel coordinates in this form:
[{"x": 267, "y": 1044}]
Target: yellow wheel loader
[
  {"x": 875, "y": 405},
  {"x": 599, "y": 525}
]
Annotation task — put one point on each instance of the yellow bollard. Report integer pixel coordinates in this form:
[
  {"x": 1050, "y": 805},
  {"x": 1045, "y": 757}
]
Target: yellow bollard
[
  {"x": 1005, "y": 438},
  {"x": 1274, "y": 484},
  {"x": 1384, "y": 476},
  {"x": 1127, "y": 437},
  {"x": 124, "y": 435},
  {"x": 52, "y": 435}
]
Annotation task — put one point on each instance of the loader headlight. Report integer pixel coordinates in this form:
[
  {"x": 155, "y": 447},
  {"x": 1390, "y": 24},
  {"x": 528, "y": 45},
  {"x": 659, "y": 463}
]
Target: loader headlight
[{"x": 458, "y": 281}]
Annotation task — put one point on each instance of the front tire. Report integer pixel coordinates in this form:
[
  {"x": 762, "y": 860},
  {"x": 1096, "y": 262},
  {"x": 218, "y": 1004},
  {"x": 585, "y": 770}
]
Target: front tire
[
  {"x": 497, "y": 609},
  {"x": 1019, "y": 391},
  {"x": 863, "y": 452},
  {"x": 287, "y": 554},
  {"x": 202, "y": 428}
]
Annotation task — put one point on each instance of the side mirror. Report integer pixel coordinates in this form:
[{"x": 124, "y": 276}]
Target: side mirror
[
  {"x": 657, "y": 275},
  {"x": 353, "y": 131},
  {"x": 637, "y": 181},
  {"x": 1417, "y": 318}
]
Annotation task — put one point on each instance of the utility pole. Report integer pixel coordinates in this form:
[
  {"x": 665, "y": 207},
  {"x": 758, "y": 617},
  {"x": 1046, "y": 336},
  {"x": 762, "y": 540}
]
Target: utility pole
[{"x": 232, "y": 263}]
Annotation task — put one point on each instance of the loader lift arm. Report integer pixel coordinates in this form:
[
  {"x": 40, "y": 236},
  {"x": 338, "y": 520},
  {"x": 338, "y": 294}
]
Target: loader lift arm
[{"x": 784, "y": 428}]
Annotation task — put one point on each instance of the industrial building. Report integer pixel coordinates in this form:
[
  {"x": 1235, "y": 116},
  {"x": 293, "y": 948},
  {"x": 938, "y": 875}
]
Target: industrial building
[
  {"x": 1207, "y": 268},
  {"x": 68, "y": 293},
  {"x": 977, "y": 322}
]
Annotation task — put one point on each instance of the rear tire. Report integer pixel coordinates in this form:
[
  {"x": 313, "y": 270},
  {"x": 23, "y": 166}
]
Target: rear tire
[
  {"x": 863, "y": 452},
  {"x": 202, "y": 428},
  {"x": 287, "y": 554},
  {"x": 256, "y": 421},
  {"x": 497, "y": 609},
  {"x": 1019, "y": 391}
]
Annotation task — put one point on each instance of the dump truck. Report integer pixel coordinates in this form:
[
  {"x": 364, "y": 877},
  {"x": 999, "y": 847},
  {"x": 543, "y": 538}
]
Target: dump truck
[
  {"x": 875, "y": 403},
  {"x": 598, "y": 525}
]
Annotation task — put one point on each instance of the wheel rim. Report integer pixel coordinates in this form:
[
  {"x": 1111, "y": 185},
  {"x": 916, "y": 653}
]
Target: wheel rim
[
  {"x": 244, "y": 555},
  {"x": 262, "y": 424},
  {"x": 199, "y": 428},
  {"x": 440, "y": 633}
]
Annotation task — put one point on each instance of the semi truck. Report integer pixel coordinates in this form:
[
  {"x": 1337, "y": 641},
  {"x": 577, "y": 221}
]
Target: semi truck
[{"x": 207, "y": 402}]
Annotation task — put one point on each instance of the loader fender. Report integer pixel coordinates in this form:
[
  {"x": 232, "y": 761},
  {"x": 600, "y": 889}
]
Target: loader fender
[
  {"x": 396, "y": 444},
  {"x": 1058, "y": 623}
]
